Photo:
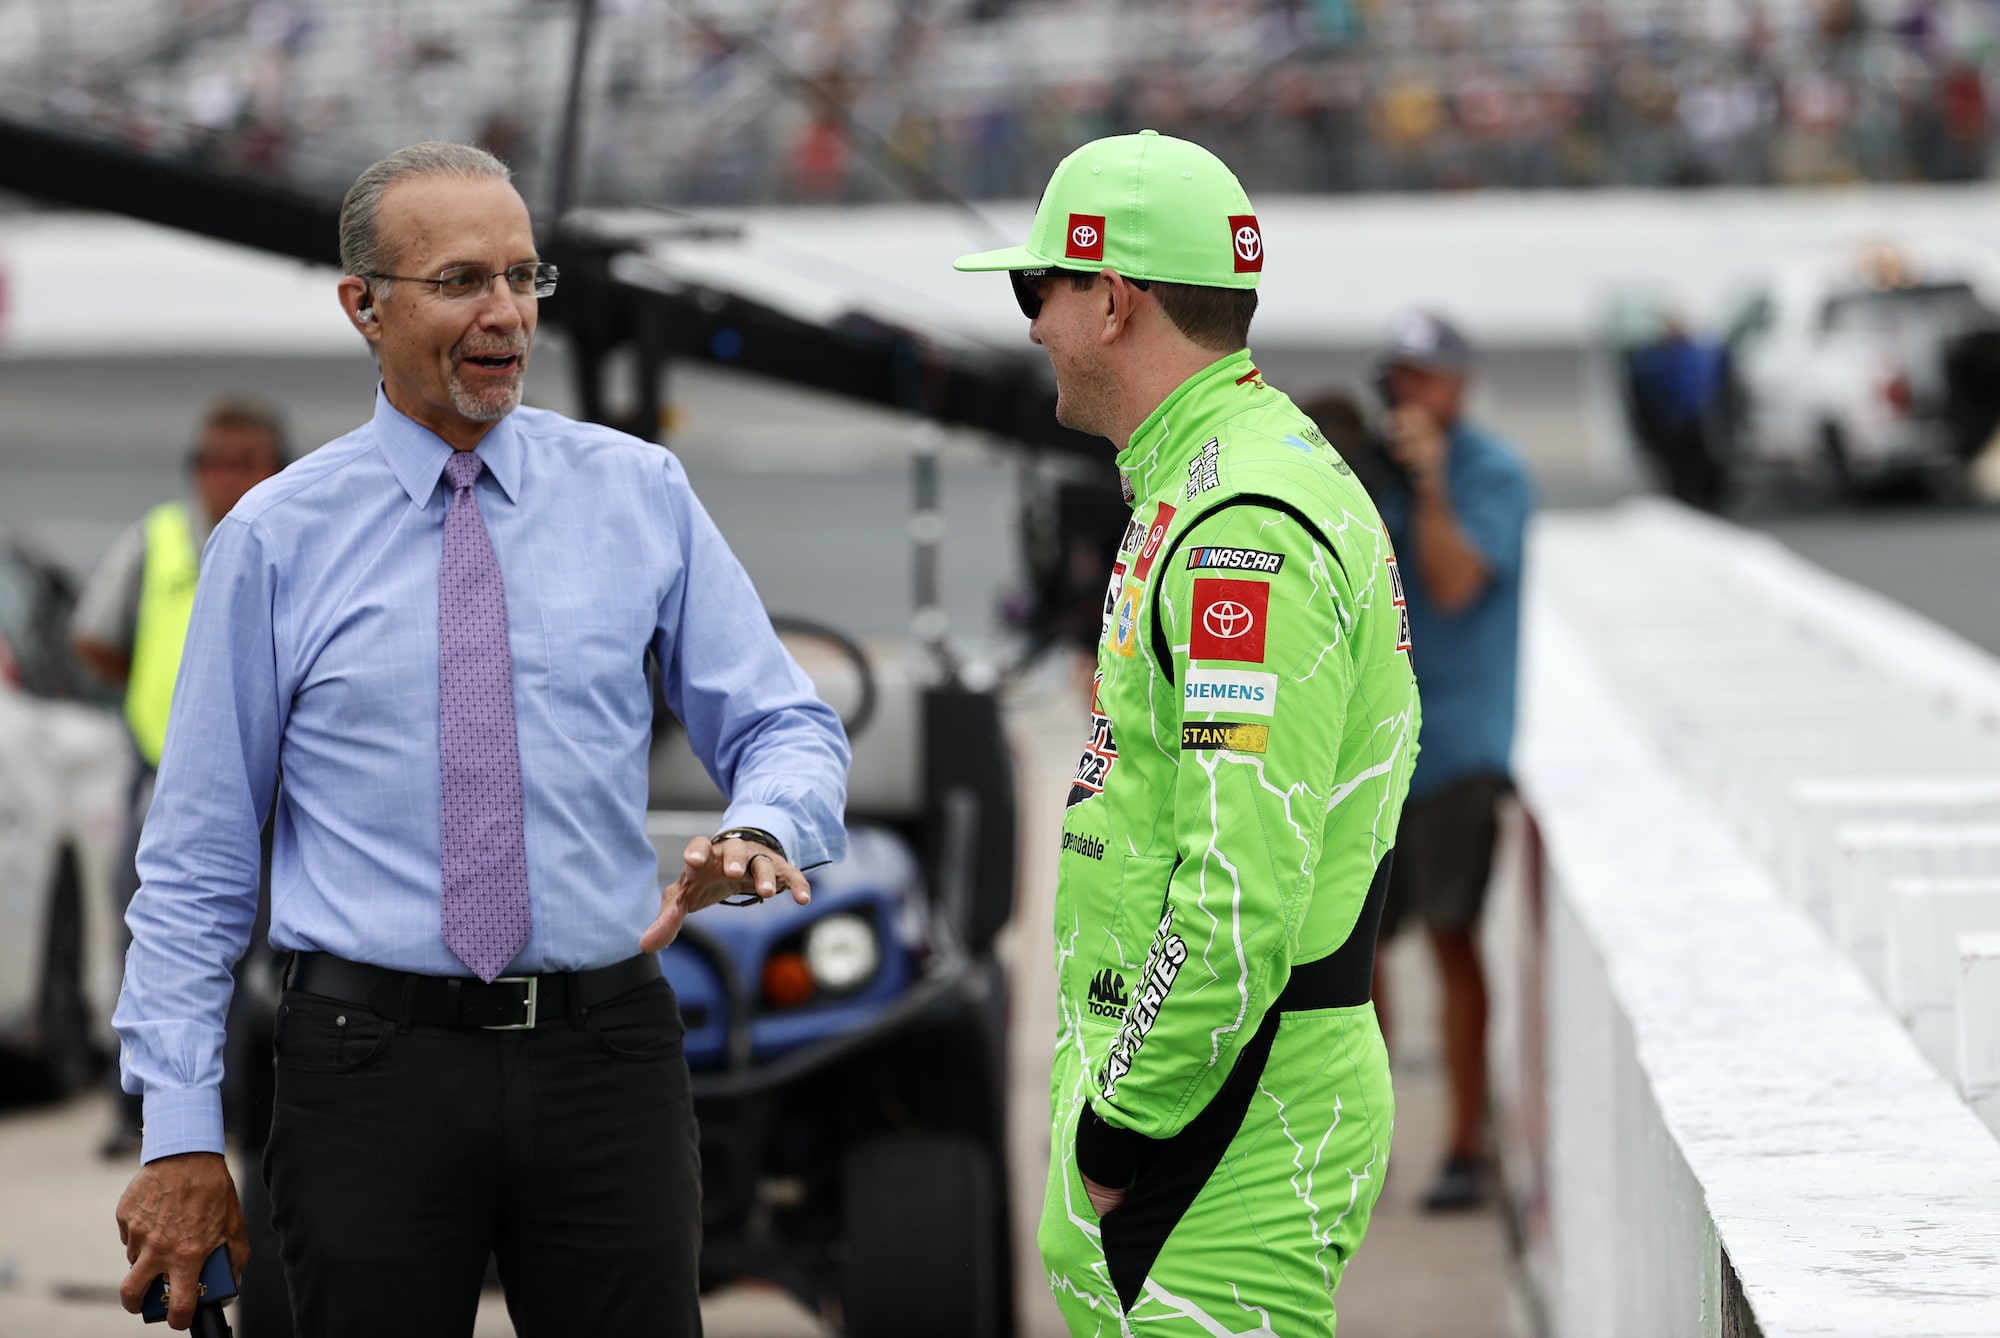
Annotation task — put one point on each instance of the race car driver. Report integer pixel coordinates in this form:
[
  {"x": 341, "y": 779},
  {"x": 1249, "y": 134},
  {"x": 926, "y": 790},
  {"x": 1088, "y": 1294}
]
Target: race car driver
[{"x": 1220, "y": 1097}]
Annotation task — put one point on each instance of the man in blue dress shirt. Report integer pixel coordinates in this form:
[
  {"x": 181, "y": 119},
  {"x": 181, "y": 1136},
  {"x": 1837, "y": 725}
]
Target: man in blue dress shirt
[
  {"x": 436, "y": 629},
  {"x": 1456, "y": 505}
]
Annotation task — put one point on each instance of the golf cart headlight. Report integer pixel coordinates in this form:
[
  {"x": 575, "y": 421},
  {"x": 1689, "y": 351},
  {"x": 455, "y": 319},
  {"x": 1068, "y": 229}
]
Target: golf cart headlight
[{"x": 842, "y": 951}]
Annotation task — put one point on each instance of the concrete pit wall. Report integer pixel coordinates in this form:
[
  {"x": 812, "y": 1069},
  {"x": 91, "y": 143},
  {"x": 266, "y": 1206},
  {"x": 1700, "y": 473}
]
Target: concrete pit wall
[{"x": 1712, "y": 1121}]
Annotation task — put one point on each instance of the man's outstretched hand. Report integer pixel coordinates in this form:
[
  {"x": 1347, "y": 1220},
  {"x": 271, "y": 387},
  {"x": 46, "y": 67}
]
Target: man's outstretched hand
[
  {"x": 171, "y": 1218},
  {"x": 713, "y": 871}
]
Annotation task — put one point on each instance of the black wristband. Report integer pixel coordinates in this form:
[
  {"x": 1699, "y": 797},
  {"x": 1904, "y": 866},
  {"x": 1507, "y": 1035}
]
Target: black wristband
[
  {"x": 757, "y": 834},
  {"x": 1107, "y": 1154}
]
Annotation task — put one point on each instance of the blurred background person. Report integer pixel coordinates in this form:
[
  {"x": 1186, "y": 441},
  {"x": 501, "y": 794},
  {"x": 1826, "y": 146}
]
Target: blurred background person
[
  {"x": 132, "y": 616},
  {"x": 1675, "y": 382},
  {"x": 1455, "y": 498}
]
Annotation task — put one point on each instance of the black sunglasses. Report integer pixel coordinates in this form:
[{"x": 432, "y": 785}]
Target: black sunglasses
[{"x": 1027, "y": 287}]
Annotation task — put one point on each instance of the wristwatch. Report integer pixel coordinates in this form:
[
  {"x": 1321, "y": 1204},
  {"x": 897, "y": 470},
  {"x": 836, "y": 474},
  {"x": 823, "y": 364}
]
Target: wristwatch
[
  {"x": 757, "y": 834},
  {"x": 762, "y": 838}
]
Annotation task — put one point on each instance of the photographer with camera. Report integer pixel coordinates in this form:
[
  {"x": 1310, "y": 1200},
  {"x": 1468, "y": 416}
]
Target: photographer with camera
[{"x": 1455, "y": 499}]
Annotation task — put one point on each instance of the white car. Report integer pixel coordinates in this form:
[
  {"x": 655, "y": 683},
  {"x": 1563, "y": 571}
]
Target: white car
[
  {"x": 65, "y": 774},
  {"x": 1840, "y": 364}
]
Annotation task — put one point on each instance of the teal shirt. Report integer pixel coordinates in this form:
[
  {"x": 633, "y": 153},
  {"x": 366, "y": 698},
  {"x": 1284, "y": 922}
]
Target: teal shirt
[{"x": 1467, "y": 663}]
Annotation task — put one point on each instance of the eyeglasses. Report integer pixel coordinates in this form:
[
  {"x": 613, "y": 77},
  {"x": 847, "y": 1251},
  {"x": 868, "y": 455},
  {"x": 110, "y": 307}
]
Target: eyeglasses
[
  {"x": 464, "y": 282},
  {"x": 1027, "y": 286}
]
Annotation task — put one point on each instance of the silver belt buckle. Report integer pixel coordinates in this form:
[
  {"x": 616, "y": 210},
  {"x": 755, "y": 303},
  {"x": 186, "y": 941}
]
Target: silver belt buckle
[{"x": 534, "y": 984}]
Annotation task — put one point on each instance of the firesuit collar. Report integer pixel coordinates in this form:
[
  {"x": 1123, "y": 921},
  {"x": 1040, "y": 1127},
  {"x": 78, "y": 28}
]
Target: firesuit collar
[{"x": 1157, "y": 458}]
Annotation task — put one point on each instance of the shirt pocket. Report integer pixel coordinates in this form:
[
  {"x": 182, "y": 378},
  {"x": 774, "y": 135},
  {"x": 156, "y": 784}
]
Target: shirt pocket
[{"x": 597, "y": 673}]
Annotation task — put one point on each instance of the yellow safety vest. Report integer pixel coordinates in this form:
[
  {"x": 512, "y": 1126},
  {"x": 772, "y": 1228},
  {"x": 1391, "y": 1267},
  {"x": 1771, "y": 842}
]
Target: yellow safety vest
[{"x": 166, "y": 602}]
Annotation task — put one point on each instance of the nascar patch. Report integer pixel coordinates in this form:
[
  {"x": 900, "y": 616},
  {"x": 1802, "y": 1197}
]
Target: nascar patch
[
  {"x": 1235, "y": 559},
  {"x": 1232, "y": 735},
  {"x": 1237, "y": 690}
]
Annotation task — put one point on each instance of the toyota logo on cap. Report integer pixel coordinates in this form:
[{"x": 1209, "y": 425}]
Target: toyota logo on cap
[
  {"x": 1227, "y": 618},
  {"x": 1247, "y": 240},
  {"x": 1086, "y": 237}
]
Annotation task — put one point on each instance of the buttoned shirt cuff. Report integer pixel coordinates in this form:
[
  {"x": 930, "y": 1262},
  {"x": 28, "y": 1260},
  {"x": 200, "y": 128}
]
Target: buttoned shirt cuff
[
  {"x": 182, "y": 1119},
  {"x": 773, "y": 820}
]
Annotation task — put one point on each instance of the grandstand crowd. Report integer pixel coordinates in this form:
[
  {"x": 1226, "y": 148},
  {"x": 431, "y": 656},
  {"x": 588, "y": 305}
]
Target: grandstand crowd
[{"x": 756, "y": 101}]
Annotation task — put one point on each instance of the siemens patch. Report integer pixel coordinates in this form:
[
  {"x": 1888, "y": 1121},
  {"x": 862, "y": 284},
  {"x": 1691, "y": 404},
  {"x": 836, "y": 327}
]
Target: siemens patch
[
  {"x": 1236, "y": 690},
  {"x": 1235, "y": 559},
  {"x": 1237, "y": 738}
]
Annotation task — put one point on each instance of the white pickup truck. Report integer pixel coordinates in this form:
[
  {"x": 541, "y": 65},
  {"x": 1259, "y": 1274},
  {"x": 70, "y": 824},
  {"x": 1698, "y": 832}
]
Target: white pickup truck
[
  {"x": 1871, "y": 365},
  {"x": 65, "y": 775}
]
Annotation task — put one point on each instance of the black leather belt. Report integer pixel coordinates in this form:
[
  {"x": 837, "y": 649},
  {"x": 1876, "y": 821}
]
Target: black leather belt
[
  {"x": 1345, "y": 977},
  {"x": 511, "y": 1003}
]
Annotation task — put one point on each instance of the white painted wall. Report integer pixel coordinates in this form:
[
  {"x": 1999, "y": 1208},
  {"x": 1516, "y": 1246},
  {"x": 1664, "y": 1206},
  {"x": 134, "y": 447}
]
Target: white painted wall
[
  {"x": 1538, "y": 268},
  {"x": 1719, "y": 1076}
]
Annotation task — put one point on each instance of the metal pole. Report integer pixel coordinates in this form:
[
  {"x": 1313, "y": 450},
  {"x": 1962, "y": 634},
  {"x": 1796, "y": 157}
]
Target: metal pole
[
  {"x": 569, "y": 146},
  {"x": 931, "y": 623}
]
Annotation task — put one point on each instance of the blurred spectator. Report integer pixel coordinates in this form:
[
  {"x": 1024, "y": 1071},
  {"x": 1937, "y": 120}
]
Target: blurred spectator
[
  {"x": 1343, "y": 421},
  {"x": 1672, "y": 386},
  {"x": 1456, "y": 506},
  {"x": 1305, "y": 95},
  {"x": 132, "y": 617}
]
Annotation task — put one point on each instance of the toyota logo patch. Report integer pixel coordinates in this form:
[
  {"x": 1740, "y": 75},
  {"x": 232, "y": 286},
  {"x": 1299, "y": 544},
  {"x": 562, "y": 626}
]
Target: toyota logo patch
[
  {"x": 1228, "y": 619},
  {"x": 1086, "y": 237},
  {"x": 1247, "y": 240}
]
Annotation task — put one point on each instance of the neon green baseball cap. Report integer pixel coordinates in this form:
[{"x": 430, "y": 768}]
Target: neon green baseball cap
[{"x": 1148, "y": 205}]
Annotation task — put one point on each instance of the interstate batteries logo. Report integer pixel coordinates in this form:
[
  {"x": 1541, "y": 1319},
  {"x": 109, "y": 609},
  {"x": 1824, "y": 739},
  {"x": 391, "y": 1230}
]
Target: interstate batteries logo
[
  {"x": 1238, "y": 691},
  {"x": 1203, "y": 472},
  {"x": 1163, "y": 967},
  {"x": 1107, "y": 994},
  {"x": 1100, "y": 752},
  {"x": 1235, "y": 559}
]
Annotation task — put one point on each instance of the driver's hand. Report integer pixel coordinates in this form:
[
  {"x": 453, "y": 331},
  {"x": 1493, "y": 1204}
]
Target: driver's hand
[
  {"x": 713, "y": 871},
  {"x": 171, "y": 1218},
  {"x": 1101, "y": 1198}
]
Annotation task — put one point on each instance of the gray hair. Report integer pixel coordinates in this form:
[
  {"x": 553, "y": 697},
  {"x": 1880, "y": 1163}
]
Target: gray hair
[{"x": 361, "y": 249}]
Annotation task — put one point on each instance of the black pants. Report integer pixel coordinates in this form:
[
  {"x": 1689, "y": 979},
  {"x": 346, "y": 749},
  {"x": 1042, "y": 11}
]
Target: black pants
[{"x": 401, "y": 1157}]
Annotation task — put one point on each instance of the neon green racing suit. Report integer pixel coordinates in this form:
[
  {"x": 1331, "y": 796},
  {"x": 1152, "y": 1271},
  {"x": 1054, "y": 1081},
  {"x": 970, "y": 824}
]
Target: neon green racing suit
[{"x": 1224, "y": 854}]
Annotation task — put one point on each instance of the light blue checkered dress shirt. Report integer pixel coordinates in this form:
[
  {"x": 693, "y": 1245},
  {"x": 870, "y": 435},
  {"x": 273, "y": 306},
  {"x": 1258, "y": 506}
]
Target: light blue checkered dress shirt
[{"x": 313, "y": 652}]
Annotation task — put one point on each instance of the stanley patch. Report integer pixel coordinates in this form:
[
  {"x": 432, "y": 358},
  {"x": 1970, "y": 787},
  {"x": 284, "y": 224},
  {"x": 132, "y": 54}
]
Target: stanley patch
[{"x": 1237, "y": 738}]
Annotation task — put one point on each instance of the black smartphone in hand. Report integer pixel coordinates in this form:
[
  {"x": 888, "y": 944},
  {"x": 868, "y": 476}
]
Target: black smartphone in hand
[{"x": 218, "y": 1285}]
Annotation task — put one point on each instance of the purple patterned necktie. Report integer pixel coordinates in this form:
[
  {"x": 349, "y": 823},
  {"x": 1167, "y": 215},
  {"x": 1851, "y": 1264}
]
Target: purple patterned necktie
[{"x": 483, "y": 842}]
